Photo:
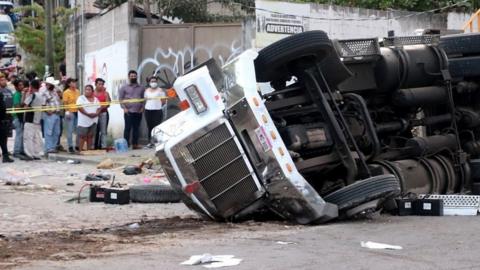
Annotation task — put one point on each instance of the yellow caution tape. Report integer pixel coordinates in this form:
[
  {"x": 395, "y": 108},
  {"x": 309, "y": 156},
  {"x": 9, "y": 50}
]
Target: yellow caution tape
[{"x": 74, "y": 106}]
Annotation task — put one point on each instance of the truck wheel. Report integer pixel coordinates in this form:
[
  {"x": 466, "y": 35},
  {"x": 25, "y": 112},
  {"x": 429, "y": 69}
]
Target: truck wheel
[
  {"x": 377, "y": 187},
  {"x": 274, "y": 57},
  {"x": 461, "y": 44},
  {"x": 153, "y": 194}
]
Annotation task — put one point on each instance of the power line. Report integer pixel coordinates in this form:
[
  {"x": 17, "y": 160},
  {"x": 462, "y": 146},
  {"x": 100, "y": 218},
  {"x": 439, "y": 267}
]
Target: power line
[{"x": 358, "y": 19}]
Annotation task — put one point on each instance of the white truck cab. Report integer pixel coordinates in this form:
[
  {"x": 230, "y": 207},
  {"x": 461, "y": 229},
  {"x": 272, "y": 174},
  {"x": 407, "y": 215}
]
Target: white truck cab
[{"x": 225, "y": 156}]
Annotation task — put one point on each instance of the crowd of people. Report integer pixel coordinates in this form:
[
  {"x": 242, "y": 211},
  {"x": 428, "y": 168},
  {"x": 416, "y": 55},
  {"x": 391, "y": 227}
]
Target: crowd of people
[{"x": 44, "y": 108}]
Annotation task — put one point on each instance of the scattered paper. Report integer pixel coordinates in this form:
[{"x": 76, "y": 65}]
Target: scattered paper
[
  {"x": 229, "y": 262},
  {"x": 212, "y": 261},
  {"x": 374, "y": 245},
  {"x": 285, "y": 243},
  {"x": 134, "y": 226},
  {"x": 14, "y": 178}
]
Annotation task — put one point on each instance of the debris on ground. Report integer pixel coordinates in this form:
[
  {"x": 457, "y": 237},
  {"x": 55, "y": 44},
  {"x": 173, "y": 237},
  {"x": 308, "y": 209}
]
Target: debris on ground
[
  {"x": 374, "y": 245},
  {"x": 285, "y": 243},
  {"x": 13, "y": 177},
  {"x": 69, "y": 161},
  {"x": 147, "y": 180},
  {"x": 134, "y": 226},
  {"x": 93, "y": 152},
  {"x": 105, "y": 164},
  {"x": 97, "y": 177},
  {"x": 147, "y": 163},
  {"x": 117, "y": 194},
  {"x": 132, "y": 170},
  {"x": 67, "y": 256},
  {"x": 212, "y": 261}
]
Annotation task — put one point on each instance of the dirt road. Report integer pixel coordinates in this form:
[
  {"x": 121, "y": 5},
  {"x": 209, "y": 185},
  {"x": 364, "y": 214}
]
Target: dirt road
[
  {"x": 428, "y": 243},
  {"x": 41, "y": 228}
]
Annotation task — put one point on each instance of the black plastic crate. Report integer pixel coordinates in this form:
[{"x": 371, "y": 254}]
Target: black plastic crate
[
  {"x": 405, "y": 206},
  {"x": 428, "y": 207},
  {"x": 97, "y": 194},
  {"x": 117, "y": 195}
]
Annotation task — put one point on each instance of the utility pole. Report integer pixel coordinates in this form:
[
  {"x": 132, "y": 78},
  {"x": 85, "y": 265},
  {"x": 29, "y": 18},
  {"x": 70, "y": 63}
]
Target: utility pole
[{"x": 48, "y": 35}]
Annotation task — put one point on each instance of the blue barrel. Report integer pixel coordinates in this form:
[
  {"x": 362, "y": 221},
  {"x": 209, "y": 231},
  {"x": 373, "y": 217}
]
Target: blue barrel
[{"x": 121, "y": 145}]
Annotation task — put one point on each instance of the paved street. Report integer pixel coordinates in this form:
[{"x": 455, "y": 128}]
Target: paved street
[{"x": 42, "y": 229}]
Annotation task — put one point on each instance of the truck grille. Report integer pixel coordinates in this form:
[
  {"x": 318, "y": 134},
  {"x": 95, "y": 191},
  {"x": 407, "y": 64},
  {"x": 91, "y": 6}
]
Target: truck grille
[{"x": 221, "y": 169}]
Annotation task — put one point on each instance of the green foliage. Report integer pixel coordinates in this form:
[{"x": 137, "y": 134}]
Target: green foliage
[
  {"x": 196, "y": 10},
  {"x": 30, "y": 34},
  {"x": 187, "y": 10},
  {"x": 192, "y": 10},
  {"x": 102, "y": 4},
  {"x": 411, "y": 5}
]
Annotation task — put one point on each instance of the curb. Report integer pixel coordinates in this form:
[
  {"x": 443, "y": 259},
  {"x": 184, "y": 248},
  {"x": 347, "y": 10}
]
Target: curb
[{"x": 65, "y": 157}]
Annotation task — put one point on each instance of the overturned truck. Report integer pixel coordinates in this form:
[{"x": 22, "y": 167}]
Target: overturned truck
[{"x": 347, "y": 126}]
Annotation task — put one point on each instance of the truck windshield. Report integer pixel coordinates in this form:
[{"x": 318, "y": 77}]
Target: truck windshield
[{"x": 6, "y": 28}]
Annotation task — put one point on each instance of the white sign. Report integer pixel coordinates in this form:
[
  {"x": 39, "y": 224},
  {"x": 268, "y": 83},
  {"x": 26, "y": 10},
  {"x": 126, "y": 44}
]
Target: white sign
[
  {"x": 110, "y": 64},
  {"x": 276, "y": 20}
]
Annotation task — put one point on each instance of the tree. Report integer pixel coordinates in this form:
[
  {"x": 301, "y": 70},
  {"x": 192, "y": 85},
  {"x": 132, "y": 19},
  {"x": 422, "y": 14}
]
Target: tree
[
  {"x": 30, "y": 34},
  {"x": 197, "y": 10},
  {"x": 148, "y": 14},
  {"x": 188, "y": 11}
]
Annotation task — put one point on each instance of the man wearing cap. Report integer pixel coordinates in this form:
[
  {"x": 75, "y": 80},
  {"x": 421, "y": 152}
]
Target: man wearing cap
[
  {"x": 70, "y": 96},
  {"x": 51, "y": 117}
]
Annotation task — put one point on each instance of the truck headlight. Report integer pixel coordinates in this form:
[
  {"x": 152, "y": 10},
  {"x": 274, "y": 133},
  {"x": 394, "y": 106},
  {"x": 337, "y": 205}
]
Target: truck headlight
[
  {"x": 196, "y": 98},
  {"x": 10, "y": 39}
]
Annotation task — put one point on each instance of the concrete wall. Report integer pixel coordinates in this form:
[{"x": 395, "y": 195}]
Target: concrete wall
[
  {"x": 104, "y": 30},
  {"x": 100, "y": 31},
  {"x": 175, "y": 49},
  {"x": 346, "y": 22},
  {"x": 111, "y": 45},
  {"x": 116, "y": 42}
]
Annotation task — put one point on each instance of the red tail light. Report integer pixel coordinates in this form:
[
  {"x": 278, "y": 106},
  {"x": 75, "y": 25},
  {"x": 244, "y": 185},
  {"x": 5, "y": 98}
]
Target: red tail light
[
  {"x": 184, "y": 105},
  {"x": 192, "y": 187}
]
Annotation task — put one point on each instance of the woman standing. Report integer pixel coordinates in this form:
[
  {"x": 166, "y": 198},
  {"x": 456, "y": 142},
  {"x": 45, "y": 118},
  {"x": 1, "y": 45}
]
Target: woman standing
[
  {"x": 154, "y": 97},
  {"x": 103, "y": 96},
  {"x": 70, "y": 96},
  {"x": 89, "y": 108}
]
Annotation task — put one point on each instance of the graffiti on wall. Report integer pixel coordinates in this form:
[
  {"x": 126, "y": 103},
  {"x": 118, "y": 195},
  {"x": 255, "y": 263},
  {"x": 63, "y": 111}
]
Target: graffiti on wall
[{"x": 168, "y": 64}]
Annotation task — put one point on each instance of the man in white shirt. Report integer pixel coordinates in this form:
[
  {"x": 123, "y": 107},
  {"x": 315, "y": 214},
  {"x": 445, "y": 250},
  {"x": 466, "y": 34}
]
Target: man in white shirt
[{"x": 88, "y": 110}]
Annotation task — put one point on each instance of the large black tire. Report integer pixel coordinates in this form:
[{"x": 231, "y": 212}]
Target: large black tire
[
  {"x": 461, "y": 44},
  {"x": 153, "y": 194},
  {"x": 272, "y": 61},
  {"x": 377, "y": 187}
]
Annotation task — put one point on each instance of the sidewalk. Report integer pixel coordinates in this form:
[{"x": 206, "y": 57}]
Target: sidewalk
[{"x": 132, "y": 157}]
